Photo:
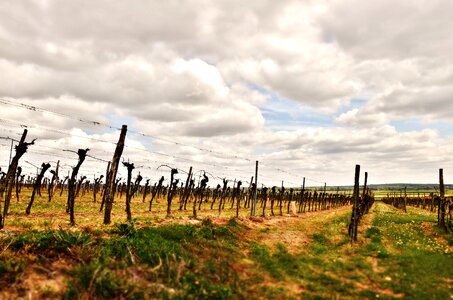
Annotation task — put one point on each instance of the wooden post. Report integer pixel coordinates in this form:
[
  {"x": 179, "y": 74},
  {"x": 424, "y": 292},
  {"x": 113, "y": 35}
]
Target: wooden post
[
  {"x": 405, "y": 199},
  {"x": 111, "y": 178},
  {"x": 441, "y": 207},
  {"x": 255, "y": 190},
  {"x": 105, "y": 186},
  {"x": 365, "y": 184},
  {"x": 282, "y": 197},
  {"x": 302, "y": 196},
  {"x": 353, "y": 230},
  {"x": 441, "y": 183}
]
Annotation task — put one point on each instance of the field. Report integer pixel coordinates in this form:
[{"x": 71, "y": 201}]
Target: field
[
  {"x": 307, "y": 256},
  {"x": 226, "y": 150}
]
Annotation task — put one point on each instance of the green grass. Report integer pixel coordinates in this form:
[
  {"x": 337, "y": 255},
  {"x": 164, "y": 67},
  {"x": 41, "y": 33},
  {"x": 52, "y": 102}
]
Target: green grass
[
  {"x": 182, "y": 261},
  {"x": 53, "y": 214},
  {"x": 394, "y": 257},
  {"x": 419, "y": 265},
  {"x": 407, "y": 262}
]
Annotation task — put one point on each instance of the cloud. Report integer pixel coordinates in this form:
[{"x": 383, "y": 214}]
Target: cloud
[
  {"x": 206, "y": 73},
  {"x": 389, "y": 29},
  {"x": 401, "y": 57},
  {"x": 355, "y": 118}
]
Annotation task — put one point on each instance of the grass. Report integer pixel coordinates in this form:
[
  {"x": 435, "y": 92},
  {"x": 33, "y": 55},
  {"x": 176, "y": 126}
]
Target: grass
[
  {"x": 397, "y": 256},
  {"x": 394, "y": 259},
  {"x": 182, "y": 261},
  {"x": 53, "y": 214},
  {"x": 419, "y": 266}
]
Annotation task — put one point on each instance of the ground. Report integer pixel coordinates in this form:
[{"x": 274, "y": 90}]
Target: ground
[{"x": 397, "y": 255}]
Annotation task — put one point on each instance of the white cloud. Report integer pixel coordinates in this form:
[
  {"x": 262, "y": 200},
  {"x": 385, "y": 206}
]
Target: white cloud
[{"x": 196, "y": 71}]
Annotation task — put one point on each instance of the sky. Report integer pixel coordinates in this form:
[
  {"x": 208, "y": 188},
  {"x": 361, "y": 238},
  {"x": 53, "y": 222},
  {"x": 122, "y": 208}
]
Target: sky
[{"x": 307, "y": 88}]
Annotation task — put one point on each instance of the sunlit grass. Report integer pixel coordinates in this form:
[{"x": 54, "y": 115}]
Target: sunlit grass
[
  {"x": 398, "y": 255},
  {"x": 53, "y": 214}
]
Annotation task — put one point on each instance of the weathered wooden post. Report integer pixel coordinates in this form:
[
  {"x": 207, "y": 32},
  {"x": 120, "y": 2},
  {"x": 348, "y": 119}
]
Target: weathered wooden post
[
  {"x": 302, "y": 196},
  {"x": 354, "y": 216},
  {"x": 441, "y": 209},
  {"x": 282, "y": 197},
  {"x": 365, "y": 184},
  {"x": 255, "y": 190},
  {"x": 105, "y": 186},
  {"x": 111, "y": 178},
  {"x": 405, "y": 199}
]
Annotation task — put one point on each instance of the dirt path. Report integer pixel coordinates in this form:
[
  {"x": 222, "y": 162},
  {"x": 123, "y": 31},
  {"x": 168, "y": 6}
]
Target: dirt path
[{"x": 293, "y": 232}]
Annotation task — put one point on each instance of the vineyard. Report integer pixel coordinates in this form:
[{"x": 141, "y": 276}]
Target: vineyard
[
  {"x": 70, "y": 237},
  {"x": 226, "y": 150}
]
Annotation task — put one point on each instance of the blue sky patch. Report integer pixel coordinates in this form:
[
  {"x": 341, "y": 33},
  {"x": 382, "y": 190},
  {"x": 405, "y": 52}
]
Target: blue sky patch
[
  {"x": 417, "y": 123},
  {"x": 281, "y": 114},
  {"x": 354, "y": 103}
]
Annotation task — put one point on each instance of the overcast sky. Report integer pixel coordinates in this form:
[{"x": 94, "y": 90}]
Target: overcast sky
[{"x": 308, "y": 88}]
